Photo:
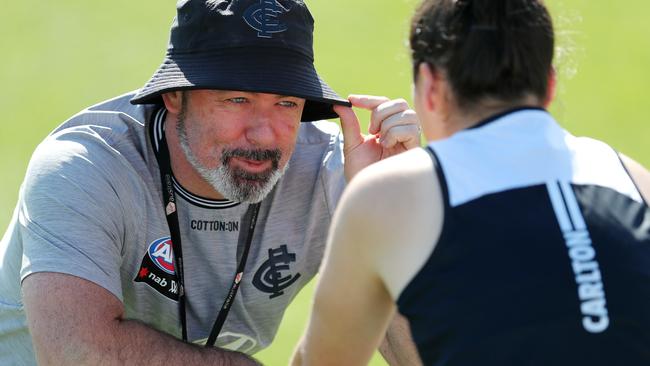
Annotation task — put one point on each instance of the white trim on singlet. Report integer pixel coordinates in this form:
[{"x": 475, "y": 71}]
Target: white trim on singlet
[
  {"x": 566, "y": 207},
  {"x": 522, "y": 149},
  {"x": 558, "y": 206},
  {"x": 572, "y": 205},
  {"x": 158, "y": 131}
]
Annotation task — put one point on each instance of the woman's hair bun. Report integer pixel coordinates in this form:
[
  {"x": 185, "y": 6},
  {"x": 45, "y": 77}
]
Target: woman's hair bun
[{"x": 488, "y": 48}]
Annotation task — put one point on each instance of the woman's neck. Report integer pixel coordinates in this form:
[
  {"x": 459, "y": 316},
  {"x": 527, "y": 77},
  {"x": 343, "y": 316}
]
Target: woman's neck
[{"x": 458, "y": 120}]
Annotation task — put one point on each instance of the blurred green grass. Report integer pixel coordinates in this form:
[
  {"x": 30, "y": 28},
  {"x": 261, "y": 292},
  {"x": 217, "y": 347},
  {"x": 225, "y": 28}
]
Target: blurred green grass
[{"x": 59, "y": 57}]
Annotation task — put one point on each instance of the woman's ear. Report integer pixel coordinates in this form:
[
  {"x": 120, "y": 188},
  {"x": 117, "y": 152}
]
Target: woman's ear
[
  {"x": 432, "y": 88},
  {"x": 550, "y": 88},
  {"x": 425, "y": 87}
]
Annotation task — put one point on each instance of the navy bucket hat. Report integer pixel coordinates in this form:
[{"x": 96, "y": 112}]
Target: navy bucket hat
[{"x": 263, "y": 46}]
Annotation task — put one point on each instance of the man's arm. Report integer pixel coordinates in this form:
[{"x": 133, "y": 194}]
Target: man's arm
[
  {"x": 398, "y": 348},
  {"x": 75, "y": 322}
]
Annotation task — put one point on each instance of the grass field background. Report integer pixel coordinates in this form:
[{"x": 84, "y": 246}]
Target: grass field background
[{"x": 59, "y": 57}]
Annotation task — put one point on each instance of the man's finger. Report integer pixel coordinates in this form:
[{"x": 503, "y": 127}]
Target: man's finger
[
  {"x": 368, "y": 102},
  {"x": 384, "y": 111},
  {"x": 407, "y": 117},
  {"x": 350, "y": 125},
  {"x": 407, "y": 135}
]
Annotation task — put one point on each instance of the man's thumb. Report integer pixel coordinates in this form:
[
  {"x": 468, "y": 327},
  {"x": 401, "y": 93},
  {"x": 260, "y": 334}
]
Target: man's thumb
[{"x": 350, "y": 125}]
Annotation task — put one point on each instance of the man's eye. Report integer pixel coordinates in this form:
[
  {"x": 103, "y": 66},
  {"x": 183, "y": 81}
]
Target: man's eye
[
  {"x": 238, "y": 100},
  {"x": 288, "y": 104}
]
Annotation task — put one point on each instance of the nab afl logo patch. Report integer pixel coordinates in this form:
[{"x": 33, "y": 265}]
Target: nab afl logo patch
[
  {"x": 162, "y": 254},
  {"x": 157, "y": 269}
]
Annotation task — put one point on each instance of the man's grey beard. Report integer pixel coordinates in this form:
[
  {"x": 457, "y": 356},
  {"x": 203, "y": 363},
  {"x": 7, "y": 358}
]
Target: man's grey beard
[{"x": 235, "y": 184}]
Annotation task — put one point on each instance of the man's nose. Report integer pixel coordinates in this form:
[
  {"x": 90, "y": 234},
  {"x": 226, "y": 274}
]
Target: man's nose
[{"x": 260, "y": 129}]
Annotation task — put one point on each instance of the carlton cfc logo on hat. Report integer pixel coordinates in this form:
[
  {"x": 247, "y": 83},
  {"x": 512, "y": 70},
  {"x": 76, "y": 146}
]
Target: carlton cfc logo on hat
[
  {"x": 263, "y": 17},
  {"x": 157, "y": 268},
  {"x": 249, "y": 45}
]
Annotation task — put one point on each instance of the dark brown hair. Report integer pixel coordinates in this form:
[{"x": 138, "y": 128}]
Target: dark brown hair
[{"x": 499, "y": 49}]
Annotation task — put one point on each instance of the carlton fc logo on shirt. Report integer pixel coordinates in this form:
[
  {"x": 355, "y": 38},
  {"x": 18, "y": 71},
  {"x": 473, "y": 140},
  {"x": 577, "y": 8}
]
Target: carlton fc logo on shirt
[
  {"x": 263, "y": 17},
  {"x": 157, "y": 268},
  {"x": 273, "y": 275}
]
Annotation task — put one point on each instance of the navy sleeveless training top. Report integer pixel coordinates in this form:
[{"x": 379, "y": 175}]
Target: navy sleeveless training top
[{"x": 544, "y": 255}]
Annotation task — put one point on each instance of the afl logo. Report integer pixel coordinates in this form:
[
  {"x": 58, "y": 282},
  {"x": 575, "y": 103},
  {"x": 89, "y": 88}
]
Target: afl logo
[{"x": 162, "y": 254}]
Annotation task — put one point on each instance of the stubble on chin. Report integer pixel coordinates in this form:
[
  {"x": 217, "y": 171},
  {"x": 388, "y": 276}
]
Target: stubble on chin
[{"x": 242, "y": 186}]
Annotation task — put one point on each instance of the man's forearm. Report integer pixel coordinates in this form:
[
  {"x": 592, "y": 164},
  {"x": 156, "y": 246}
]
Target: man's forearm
[
  {"x": 73, "y": 321},
  {"x": 398, "y": 348},
  {"x": 133, "y": 343},
  {"x": 141, "y": 344}
]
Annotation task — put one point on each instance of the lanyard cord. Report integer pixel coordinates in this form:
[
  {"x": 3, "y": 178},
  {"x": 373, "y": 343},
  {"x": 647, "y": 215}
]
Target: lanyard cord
[
  {"x": 246, "y": 237},
  {"x": 250, "y": 219}
]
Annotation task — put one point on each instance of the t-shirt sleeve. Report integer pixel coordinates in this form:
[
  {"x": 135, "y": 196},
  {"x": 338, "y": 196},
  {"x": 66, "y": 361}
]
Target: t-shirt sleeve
[
  {"x": 70, "y": 215},
  {"x": 333, "y": 174}
]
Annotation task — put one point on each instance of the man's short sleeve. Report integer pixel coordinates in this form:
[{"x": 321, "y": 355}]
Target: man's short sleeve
[
  {"x": 71, "y": 219},
  {"x": 333, "y": 173}
]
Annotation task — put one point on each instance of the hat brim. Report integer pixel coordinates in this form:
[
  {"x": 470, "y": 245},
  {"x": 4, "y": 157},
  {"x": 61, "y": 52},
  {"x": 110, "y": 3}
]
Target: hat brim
[{"x": 272, "y": 70}]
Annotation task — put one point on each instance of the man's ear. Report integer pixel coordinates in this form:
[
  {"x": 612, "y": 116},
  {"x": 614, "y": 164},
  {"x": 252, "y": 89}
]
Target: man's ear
[
  {"x": 173, "y": 101},
  {"x": 550, "y": 88}
]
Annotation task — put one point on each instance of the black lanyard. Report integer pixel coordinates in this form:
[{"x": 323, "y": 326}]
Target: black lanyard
[{"x": 246, "y": 237}]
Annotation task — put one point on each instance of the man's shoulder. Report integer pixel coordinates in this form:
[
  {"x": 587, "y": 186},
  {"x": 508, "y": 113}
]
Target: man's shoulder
[
  {"x": 319, "y": 132},
  {"x": 114, "y": 113},
  {"x": 318, "y": 143},
  {"x": 117, "y": 103},
  {"x": 114, "y": 124},
  {"x": 110, "y": 134}
]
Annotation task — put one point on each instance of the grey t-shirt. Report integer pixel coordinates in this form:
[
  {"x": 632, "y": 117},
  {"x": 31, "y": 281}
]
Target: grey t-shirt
[{"x": 91, "y": 206}]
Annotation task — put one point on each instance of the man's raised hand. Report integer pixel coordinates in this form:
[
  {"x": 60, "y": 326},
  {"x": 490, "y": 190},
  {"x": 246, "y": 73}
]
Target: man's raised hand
[{"x": 393, "y": 128}]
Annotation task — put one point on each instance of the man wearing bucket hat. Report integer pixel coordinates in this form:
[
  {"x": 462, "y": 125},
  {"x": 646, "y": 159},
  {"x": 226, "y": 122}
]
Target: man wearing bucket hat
[{"x": 190, "y": 212}]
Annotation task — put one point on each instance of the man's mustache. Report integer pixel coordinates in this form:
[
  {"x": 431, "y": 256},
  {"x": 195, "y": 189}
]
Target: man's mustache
[{"x": 258, "y": 154}]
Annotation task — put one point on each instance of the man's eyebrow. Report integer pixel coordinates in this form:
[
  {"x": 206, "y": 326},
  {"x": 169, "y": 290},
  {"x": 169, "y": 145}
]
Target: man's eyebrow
[{"x": 277, "y": 96}]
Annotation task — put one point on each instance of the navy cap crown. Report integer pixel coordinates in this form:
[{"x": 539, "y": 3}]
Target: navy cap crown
[{"x": 211, "y": 25}]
